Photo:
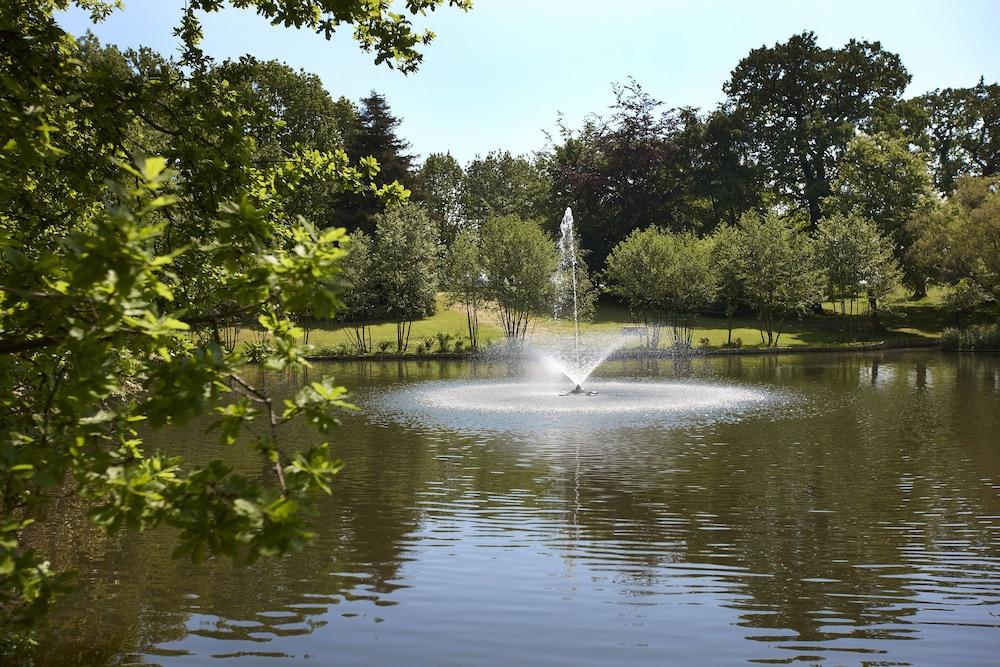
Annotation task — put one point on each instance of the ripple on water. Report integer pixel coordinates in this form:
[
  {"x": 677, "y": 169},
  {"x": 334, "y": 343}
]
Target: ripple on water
[{"x": 514, "y": 406}]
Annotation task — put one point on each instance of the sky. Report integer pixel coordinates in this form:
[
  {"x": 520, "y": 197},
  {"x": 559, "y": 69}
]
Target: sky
[{"x": 500, "y": 75}]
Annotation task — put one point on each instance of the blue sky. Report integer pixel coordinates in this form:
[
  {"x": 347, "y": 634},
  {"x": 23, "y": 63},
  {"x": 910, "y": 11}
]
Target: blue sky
[{"x": 497, "y": 77}]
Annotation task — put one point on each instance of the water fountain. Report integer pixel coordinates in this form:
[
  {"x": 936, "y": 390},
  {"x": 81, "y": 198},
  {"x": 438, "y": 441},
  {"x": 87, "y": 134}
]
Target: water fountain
[
  {"x": 579, "y": 361},
  {"x": 530, "y": 398}
]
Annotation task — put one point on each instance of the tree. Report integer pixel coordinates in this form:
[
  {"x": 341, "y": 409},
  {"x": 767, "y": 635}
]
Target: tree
[
  {"x": 100, "y": 331},
  {"x": 802, "y": 104},
  {"x": 309, "y": 119},
  {"x": 631, "y": 170},
  {"x": 727, "y": 251},
  {"x": 518, "y": 260},
  {"x": 362, "y": 296},
  {"x": 502, "y": 184},
  {"x": 441, "y": 184},
  {"x": 858, "y": 260},
  {"x": 725, "y": 175},
  {"x": 405, "y": 263},
  {"x": 960, "y": 238},
  {"x": 375, "y": 135},
  {"x": 665, "y": 278},
  {"x": 963, "y": 298},
  {"x": 778, "y": 270},
  {"x": 464, "y": 280},
  {"x": 960, "y": 129},
  {"x": 883, "y": 181}
]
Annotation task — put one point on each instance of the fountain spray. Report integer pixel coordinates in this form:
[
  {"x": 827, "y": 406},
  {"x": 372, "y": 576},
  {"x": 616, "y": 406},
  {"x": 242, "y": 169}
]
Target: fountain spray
[{"x": 567, "y": 252}]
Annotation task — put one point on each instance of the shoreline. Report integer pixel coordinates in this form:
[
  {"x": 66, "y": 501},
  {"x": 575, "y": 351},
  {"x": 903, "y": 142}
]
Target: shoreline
[{"x": 639, "y": 353}]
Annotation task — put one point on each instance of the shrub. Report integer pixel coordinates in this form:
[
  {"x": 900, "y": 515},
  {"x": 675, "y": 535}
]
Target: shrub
[
  {"x": 736, "y": 344},
  {"x": 384, "y": 345},
  {"x": 984, "y": 337},
  {"x": 257, "y": 352},
  {"x": 704, "y": 343},
  {"x": 444, "y": 340},
  {"x": 459, "y": 344}
]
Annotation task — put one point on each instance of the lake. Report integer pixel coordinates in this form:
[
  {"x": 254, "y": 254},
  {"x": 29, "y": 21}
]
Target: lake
[{"x": 835, "y": 509}]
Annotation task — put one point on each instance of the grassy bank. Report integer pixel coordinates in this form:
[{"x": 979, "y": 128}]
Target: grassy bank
[{"x": 904, "y": 321}]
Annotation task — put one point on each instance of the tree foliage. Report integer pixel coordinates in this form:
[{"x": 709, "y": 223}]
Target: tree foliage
[
  {"x": 778, "y": 269},
  {"x": 405, "y": 264},
  {"x": 441, "y": 184},
  {"x": 802, "y": 104},
  {"x": 465, "y": 282},
  {"x": 960, "y": 237},
  {"x": 117, "y": 274},
  {"x": 881, "y": 180},
  {"x": 858, "y": 261},
  {"x": 665, "y": 278},
  {"x": 518, "y": 260},
  {"x": 960, "y": 129},
  {"x": 502, "y": 184}
]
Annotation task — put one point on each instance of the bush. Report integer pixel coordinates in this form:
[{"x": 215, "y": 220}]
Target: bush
[
  {"x": 982, "y": 338},
  {"x": 704, "y": 343},
  {"x": 736, "y": 344},
  {"x": 459, "y": 344},
  {"x": 384, "y": 345},
  {"x": 444, "y": 340},
  {"x": 257, "y": 352}
]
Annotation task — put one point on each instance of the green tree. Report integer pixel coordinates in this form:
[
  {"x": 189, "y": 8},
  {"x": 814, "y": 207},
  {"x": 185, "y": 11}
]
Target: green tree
[
  {"x": 309, "y": 119},
  {"x": 665, "y": 278},
  {"x": 362, "y": 295},
  {"x": 518, "y": 260},
  {"x": 464, "y": 280},
  {"x": 960, "y": 238},
  {"x": 802, "y": 103},
  {"x": 880, "y": 179},
  {"x": 778, "y": 269},
  {"x": 100, "y": 329},
  {"x": 960, "y": 129},
  {"x": 502, "y": 184},
  {"x": 405, "y": 263},
  {"x": 964, "y": 298},
  {"x": 376, "y": 134},
  {"x": 441, "y": 184},
  {"x": 727, "y": 251},
  {"x": 858, "y": 261}
]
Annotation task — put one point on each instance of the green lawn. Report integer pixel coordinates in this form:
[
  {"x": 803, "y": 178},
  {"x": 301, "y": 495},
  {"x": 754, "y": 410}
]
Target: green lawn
[{"x": 905, "y": 318}]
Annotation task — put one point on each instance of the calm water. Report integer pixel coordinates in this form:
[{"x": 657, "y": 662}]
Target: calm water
[{"x": 850, "y": 516}]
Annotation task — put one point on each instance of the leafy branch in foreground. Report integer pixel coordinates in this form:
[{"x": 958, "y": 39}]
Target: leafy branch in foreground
[{"x": 119, "y": 274}]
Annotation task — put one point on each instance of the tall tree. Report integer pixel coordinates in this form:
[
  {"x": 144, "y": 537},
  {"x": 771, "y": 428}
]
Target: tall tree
[
  {"x": 960, "y": 128},
  {"x": 502, "y": 184},
  {"x": 405, "y": 265},
  {"x": 802, "y": 104},
  {"x": 310, "y": 119},
  {"x": 375, "y": 135},
  {"x": 630, "y": 170},
  {"x": 960, "y": 238},
  {"x": 441, "y": 184},
  {"x": 881, "y": 180}
]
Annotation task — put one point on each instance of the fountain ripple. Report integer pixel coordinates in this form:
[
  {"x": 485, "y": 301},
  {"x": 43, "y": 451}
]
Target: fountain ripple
[{"x": 531, "y": 405}]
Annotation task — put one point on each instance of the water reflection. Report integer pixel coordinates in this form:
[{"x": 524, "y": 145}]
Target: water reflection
[{"x": 855, "y": 524}]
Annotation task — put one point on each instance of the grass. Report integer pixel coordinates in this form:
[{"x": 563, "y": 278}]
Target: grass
[{"x": 904, "y": 319}]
